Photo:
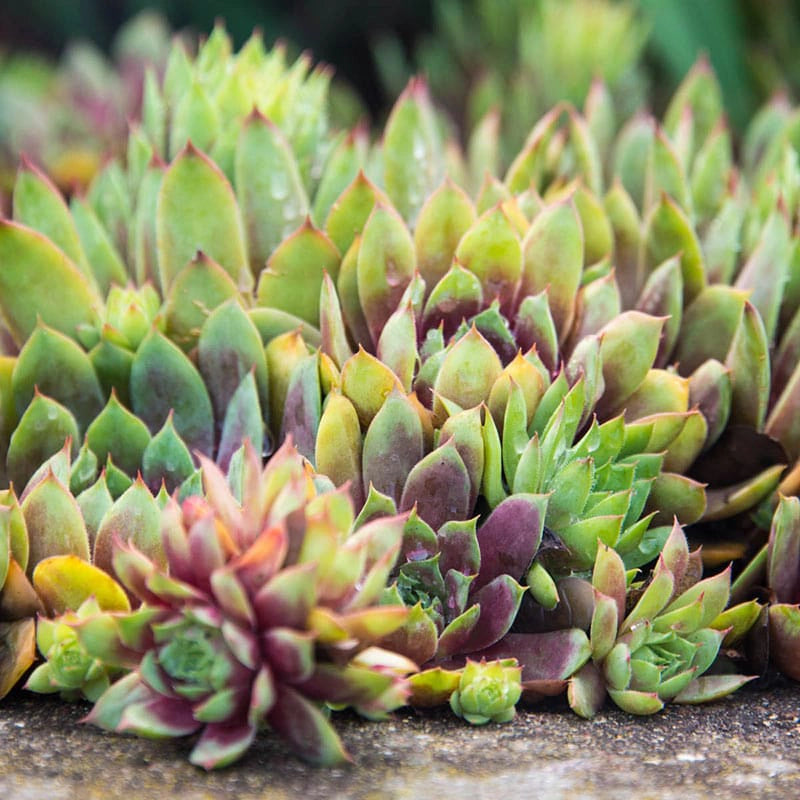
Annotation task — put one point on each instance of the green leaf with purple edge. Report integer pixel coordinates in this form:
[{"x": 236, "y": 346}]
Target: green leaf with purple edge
[
  {"x": 197, "y": 211},
  {"x": 457, "y": 633},
  {"x": 393, "y": 445},
  {"x": 230, "y": 347},
  {"x": 386, "y": 263},
  {"x": 158, "y": 718},
  {"x": 107, "y": 711},
  {"x": 56, "y": 365},
  {"x": 783, "y": 559},
  {"x": 287, "y": 598},
  {"x": 586, "y": 691},
  {"x": 306, "y": 729},
  {"x": 784, "y": 638},
  {"x": 163, "y": 380},
  {"x": 220, "y": 745},
  {"x": 40, "y": 433},
  {"x": 136, "y": 518},
  {"x": 243, "y": 420}
]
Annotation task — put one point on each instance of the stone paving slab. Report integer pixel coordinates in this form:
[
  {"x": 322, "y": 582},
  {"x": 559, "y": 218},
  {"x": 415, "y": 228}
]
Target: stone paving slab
[{"x": 745, "y": 746}]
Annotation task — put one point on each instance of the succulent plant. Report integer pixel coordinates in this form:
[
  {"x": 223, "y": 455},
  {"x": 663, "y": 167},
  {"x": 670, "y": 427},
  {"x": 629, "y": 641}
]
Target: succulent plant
[
  {"x": 487, "y": 692},
  {"x": 775, "y": 569},
  {"x": 783, "y": 580},
  {"x": 72, "y": 116},
  {"x": 267, "y": 612},
  {"x": 461, "y": 581},
  {"x": 56, "y": 550},
  {"x": 502, "y": 68},
  {"x": 69, "y": 670},
  {"x": 658, "y": 650}
]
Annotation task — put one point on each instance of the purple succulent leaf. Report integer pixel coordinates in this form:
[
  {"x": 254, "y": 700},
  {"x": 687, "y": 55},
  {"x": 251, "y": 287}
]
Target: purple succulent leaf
[
  {"x": 220, "y": 498},
  {"x": 305, "y": 728},
  {"x": 176, "y": 545},
  {"x": 158, "y": 718},
  {"x": 510, "y": 537},
  {"x": 439, "y": 485},
  {"x": 534, "y": 691},
  {"x": 134, "y": 570},
  {"x": 232, "y": 596},
  {"x": 784, "y": 638},
  {"x": 499, "y": 602},
  {"x": 458, "y": 547},
  {"x": 223, "y": 706},
  {"x": 351, "y": 685},
  {"x": 108, "y": 709},
  {"x": 303, "y": 407},
  {"x": 241, "y": 643},
  {"x": 289, "y": 653},
  {"x": 205, "y": 550},
  {"x": 288, "y": 597},
  {"x": 553, "y": 656},
  {"x": 455, "y": 636},
  {"x": 262, "y": 696},
  {"x": 220, "y": 745}
]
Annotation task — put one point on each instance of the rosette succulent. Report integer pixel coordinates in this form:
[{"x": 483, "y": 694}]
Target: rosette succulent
[
  {"x": 658, "y": 650},
  {"x": 487, "y": 692},
  {"x": 69, "y": 669},
  {"x": 267, "y": 612}
]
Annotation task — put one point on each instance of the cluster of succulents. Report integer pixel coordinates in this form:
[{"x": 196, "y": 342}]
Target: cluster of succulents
[
  {"x": 71, "y": 116},
  {"x": 502, "y": 400},
  {"x": 492, "y": 65}
]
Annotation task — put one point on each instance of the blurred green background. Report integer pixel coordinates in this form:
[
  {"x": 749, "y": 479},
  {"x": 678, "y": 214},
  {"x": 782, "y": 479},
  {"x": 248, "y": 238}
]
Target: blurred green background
[{"x": 751, "y": 43}]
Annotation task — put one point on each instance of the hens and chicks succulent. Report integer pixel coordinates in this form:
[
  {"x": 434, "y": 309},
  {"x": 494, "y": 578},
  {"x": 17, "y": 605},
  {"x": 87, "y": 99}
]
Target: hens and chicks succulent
[{"x": 492, "y": 406}]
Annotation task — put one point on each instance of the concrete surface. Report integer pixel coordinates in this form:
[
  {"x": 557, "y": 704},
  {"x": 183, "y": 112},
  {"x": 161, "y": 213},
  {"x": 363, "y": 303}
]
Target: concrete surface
[{"x": 745, "y": 746}]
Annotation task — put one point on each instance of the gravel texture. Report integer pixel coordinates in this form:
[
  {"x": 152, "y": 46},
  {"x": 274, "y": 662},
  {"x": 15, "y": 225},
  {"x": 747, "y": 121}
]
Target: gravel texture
[{"x": 745, "y": 746}]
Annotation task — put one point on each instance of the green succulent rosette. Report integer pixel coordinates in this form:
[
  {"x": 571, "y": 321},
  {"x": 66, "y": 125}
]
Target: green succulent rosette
[{"x": 487, "y": 692}]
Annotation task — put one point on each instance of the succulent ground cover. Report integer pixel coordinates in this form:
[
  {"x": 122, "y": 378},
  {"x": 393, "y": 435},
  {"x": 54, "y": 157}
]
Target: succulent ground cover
[{"x": 313, "y": 420}]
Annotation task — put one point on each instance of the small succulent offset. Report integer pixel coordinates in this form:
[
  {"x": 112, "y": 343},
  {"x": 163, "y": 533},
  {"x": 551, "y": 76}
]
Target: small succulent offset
[
  {"x": 487, "y": 692},
  {"x": 69, "y": 669},
  {"x": 266, "y": 613}
]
